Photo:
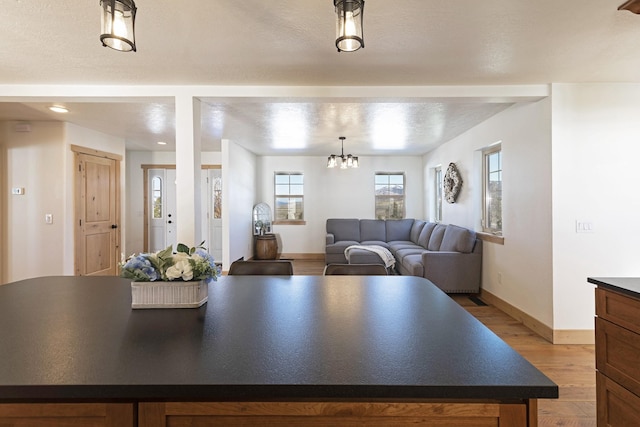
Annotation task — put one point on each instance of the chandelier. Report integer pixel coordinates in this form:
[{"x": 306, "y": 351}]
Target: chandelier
[
  {"x": 343, "y": 161},
  {"x": 349, "y": 37},
  {"x": 118, "y": 24}
]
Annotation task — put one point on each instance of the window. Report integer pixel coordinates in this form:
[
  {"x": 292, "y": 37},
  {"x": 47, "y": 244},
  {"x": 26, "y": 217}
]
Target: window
[
  {"x": 289, "y": 195},
  {"x": 156, "y": 197},
  {"x": 389, "y": 191},
  {"x": 438, "y": 194},
  {"x": 492, "y": 173},
  {"x": 217, "y": 197}
]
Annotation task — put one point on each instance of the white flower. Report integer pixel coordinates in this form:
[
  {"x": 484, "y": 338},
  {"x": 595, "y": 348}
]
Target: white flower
[
  {"x": 181, "y": 269},
  {"x": 185, "y": 264}
]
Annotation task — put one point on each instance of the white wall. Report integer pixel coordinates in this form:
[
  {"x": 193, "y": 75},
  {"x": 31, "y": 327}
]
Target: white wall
[
  {"x": 41, "y": 162},
  {"x": 335, "y": 193},
  {"x": 33, "y": 161},
  {"x": 239, "y": 178},
  {"x": 520, "y": 271},
  {"x": 596, "y": 147}
]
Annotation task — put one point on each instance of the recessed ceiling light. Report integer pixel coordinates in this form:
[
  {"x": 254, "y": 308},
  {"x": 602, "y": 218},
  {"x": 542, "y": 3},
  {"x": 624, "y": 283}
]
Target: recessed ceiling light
[
  {"x": 162, "y": 143},
  {"x": 59, "y": 109}
]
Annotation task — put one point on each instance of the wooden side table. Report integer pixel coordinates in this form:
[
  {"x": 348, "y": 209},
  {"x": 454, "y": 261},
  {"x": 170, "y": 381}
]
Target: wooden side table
[{"x": 266, "y": 247}]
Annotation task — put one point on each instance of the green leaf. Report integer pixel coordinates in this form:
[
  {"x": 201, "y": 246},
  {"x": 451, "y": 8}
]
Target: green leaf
[
  {"x": 183, "y": 248},
  {"x": 165, "y": 253}
]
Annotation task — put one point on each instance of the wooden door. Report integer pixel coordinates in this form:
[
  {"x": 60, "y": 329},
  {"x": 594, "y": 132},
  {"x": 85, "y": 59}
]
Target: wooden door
[{"x": 97, "y": 215}]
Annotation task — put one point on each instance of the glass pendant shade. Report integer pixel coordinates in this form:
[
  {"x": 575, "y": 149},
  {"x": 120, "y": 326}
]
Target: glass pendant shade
[
  {"x": 342, "y": 161},
  {"x": 118, "y": 24},
  {"x": 349, "y": 14}
]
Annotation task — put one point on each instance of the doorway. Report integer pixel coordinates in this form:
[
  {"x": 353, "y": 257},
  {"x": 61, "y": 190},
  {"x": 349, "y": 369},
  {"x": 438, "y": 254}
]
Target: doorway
[
  {"x": 160, "y": 208},
  {"x": 97, "y": 212}
]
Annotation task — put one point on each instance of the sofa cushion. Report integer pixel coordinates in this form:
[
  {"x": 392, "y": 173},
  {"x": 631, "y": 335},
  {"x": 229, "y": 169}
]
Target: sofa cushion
[
  {"x": 401, "y": 253},
  {"x": 399, "y": 229},
  {"x": 412, "y": 264},
  {"x": 458, "y": 239},
  {"x": 344, "y": 229},
  {"x": 416, "y": 228},
  {"x": 373, "y": 230},
  {"x": 425, "y": 234},
  {"x": 436, "y": 237}
]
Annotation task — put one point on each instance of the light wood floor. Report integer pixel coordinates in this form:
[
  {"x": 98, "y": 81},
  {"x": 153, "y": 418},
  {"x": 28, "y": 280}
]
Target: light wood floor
[{"x": 572, "y": 367}]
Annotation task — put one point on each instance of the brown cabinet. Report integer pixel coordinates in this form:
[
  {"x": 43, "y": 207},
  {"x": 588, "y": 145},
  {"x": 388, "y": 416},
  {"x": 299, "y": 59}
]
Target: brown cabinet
[
  {"x": 617, "y": 358},
  {"x": 67, "y": 414}
]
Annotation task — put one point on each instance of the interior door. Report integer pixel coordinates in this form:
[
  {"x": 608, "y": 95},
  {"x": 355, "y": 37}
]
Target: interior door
[{"x": 98, "y": 236}]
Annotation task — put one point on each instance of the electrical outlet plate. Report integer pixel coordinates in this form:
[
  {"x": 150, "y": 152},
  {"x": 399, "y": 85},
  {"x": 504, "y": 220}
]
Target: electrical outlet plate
[{"x": 584, "y": 226}]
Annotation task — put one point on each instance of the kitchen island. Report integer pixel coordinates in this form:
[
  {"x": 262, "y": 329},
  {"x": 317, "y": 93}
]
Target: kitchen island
[{"x": 285, "y": 350}]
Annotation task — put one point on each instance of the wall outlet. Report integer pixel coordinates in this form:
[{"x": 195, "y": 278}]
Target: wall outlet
[{"x": 584, "y": 227}]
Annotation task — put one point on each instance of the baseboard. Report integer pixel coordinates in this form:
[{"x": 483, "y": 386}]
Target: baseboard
[
  {"x": 555, "y": 336},
  {"x": 574, "y": 336},
  {"x": 530, "y": 322}
]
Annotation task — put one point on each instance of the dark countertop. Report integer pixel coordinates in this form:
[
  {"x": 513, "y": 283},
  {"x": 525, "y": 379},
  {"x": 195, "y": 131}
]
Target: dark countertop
[
  {"x": 258, "y": 337},
  {"x": 626, "y": 285}
]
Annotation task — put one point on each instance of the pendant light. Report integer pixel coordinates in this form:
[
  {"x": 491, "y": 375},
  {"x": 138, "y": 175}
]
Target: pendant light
[
  {"x": 349, "y": 36},
  {"x": 342, "y": 161},
  {"x": 118, "y": 24}
]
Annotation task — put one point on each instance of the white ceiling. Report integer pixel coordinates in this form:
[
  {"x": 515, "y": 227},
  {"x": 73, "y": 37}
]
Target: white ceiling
[{"x": 291, "y": 43}]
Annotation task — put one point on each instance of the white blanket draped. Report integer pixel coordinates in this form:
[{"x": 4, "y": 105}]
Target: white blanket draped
[{"x": 383, "y": 253}]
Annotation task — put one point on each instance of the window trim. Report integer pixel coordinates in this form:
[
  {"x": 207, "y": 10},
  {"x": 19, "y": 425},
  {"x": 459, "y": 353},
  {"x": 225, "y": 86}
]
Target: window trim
[
  {"x": 403, "y": 197},
  {"x": 486, "y": 153},
  {"x": 276, "y": 221},
  {"x": 438, "y": 193}
]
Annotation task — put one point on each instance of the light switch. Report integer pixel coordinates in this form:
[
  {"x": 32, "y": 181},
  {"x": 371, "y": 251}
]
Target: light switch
[
  {"x": 48, "y": 218},
  {"x": 17, "y": 191}
]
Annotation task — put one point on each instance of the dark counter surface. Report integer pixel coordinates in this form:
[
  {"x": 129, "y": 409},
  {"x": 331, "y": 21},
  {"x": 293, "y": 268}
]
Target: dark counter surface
[
  {"x": 627, "y": 285},
  {"x": 257, "y": 338}
]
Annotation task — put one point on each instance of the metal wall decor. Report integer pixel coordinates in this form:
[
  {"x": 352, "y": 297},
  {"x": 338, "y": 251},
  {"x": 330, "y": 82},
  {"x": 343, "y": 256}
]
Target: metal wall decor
[{"x": 452, "y": 183}]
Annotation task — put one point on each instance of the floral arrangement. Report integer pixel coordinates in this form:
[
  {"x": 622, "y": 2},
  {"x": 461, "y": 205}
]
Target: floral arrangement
[{"x": 186, "y": 264}]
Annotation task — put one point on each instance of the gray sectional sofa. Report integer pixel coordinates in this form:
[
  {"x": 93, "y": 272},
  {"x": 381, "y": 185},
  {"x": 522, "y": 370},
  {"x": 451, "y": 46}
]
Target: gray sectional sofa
[{"x": 448, "y": 255}]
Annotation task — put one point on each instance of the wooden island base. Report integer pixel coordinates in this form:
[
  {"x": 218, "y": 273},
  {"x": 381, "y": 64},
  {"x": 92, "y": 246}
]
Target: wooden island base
[{"x": 166, "y": 414}]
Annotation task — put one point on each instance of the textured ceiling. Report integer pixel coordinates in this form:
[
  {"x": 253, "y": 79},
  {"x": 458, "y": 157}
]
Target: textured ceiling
[{"x": 291, "y": 43}]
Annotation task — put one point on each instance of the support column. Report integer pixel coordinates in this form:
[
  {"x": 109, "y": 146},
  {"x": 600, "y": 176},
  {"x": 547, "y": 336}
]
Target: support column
[{"x": 188, "y": 170}]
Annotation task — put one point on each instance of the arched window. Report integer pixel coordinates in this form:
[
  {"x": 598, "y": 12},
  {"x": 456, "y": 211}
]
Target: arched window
[{"x": 156, "y": 197}]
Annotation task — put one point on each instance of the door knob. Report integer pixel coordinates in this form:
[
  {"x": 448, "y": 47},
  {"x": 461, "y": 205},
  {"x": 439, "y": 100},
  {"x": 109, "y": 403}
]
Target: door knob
[{"x": 114, "y": 225}]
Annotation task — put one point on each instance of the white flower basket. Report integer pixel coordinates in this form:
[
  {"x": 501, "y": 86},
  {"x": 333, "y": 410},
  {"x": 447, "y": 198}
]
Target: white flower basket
[{"x": 176, "y": 294}]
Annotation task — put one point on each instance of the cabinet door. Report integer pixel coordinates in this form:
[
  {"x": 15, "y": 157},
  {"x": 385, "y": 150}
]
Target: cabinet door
[
  {"x": 618, "y": 354},
  {"x": 617, "y": 406},
  {"x": 67, "y": 414},
  {"x": 314, "y": 414},
  {"x": 619, "y": 309}
]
